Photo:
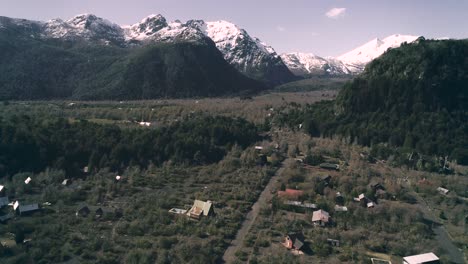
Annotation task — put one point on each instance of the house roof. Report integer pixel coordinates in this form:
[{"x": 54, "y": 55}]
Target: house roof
[
  {"x": 28, "y": 208},
  {"x": 290, "y": 193},
  {"x": 320, "y": 215},
  {"x": 422, "y": 258},
  {"x": 297, "y": 239},
  {"x": 4, "y": 201},
  {"x": 361, "y": 196},
  {"x": 2, "y": 187},
  {"x": 200, "y": 207}
]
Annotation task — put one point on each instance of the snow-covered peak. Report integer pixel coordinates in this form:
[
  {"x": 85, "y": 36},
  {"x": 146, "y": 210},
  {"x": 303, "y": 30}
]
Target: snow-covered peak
[
  {"x": 147, "y": 27},
  {"x": 309, "y": 64},
  {"x": 359, "y": 57},
  {"x": 87, "y": 26}
]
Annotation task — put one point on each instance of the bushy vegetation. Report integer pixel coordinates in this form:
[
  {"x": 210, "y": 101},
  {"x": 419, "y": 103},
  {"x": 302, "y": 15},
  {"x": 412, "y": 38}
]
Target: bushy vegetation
[{"x": 29, "y": 144}]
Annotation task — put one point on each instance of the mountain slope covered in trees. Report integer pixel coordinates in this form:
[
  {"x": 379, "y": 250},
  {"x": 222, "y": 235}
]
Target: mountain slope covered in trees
[
  {"x": 415, "y": 97},
  {"x": 35, "y": 68}
]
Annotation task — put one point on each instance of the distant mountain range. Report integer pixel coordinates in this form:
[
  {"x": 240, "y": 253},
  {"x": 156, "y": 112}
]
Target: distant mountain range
[
  {"x": 352, "y": 62},
  {"x": 247, "y": 54}
]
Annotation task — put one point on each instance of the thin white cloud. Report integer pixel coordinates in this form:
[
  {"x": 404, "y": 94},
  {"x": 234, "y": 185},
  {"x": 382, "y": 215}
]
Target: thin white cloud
[
  {"x": 336, "y": 12},
  {"x": 280, "y": 28}
]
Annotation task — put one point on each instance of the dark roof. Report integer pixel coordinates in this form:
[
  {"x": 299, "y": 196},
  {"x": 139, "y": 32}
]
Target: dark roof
[
  {"x": 4, "y": 201},
  {"x": 28, "y": 208},
  {"x": 3, "y": 218},
  {"x": 297, "y": 238}
]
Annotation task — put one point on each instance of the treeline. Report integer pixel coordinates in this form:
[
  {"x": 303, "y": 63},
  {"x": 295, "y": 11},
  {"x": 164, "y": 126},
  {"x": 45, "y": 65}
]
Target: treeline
[
  {"x": 415, "y": 97},
  {"x": 32, "y": 145}
]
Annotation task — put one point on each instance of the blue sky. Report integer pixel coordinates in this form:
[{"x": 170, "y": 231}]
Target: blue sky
[{"x": 293, "y": 25}]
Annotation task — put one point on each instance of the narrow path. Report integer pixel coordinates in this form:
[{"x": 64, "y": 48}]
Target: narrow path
[{"x": 263, "y": 199}]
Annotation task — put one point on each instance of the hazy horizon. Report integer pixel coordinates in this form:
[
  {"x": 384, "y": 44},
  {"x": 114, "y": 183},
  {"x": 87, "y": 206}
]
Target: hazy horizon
[{"x": 325, "y": 28}]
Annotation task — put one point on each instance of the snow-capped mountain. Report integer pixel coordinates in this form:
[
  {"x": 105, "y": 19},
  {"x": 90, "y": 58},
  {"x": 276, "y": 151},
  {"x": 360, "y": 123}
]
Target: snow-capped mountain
[
  {"x": 307, "y": 64},
  {"x": 357, "y": 59},
  {"x": 246, "y": 53},
  {"x": 352, "y": 62}
]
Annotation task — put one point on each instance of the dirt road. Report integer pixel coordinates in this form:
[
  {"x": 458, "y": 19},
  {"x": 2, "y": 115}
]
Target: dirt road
[{"x": 263, "y": 199}]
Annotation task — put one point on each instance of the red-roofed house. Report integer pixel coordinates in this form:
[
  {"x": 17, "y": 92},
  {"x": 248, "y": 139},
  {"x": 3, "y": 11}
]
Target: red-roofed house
[{"x": 290, "y": 194}]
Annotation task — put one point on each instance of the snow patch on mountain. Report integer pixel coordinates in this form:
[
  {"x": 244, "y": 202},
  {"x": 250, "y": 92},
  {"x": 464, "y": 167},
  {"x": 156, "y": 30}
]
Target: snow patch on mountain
[
  {"x": 356, "y": 59},
  {"x": 304, "y": 64}
]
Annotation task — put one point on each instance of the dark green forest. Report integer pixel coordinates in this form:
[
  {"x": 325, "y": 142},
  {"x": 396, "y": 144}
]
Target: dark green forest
[
  {"x": 32, "y": 145},
  {"x": 34, "y": 69},
  {"x": 415, "y": 97}
]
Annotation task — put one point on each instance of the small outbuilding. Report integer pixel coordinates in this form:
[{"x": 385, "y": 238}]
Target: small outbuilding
[
  {"x": 329, "y": 166},
  {"x": 427, "y": 258},
  {"x": 28, "y": 180},
  {"x": 442, "y": 190}
]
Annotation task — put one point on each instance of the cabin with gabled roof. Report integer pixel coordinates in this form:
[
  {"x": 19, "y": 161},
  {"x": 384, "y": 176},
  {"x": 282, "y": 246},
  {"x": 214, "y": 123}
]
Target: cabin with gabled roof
[{"x": 200, "y": 208}]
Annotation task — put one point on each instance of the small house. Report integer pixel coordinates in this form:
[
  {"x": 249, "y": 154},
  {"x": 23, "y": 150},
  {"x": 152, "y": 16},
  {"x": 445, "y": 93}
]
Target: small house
[
  {"x": 360, "y": 198},
  {"x": 200, "y": 208},
  {"x": 370, "y": 205},
  {"x": 28, "y": 180},
  {"x": 4, "y": 201},
  {"x": 442, "y": 190},
  {"x": 339, "y": 208},
  {"x": 258, "y": 148},
  {"x": 320, "y": 217},
  {"x": 28, "y": 209},
  {"x": 339, "y": 199},
  {"x": 427, "y": 258},
  {"x": 66, "y": 182},
  {"x": 145, "y": 124},
  {"x": 329, "y": 166},
  {"x": 83, "y": 211},
  {"x": 290, "y": 194},
  {"x": 294, "y": 241},
  {"x": 2, "y": 189},
  {"x": 86, "y": 169},
  {"x": 333, "y": 242}
]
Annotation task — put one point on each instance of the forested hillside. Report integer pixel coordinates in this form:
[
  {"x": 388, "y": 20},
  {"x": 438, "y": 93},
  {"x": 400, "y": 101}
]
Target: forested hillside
[
  {"x": 414, "y": 97},
  {"x": 50, "y": 69}
]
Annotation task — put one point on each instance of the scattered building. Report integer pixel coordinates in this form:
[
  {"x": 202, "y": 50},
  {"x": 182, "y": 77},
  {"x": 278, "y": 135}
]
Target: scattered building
[
  {"x": 320, "y": 217},
  {"x": 200, "y": 208},
  {"x": 339, "y": 208},
  {"x": 294, "y": 241},
  {"x": 28, "y": 209},
  {"x": 339, "y": 199},
  {"x": 290, "y": 194},
  {"x": 370, "y": 205},
  {"x": 4, "y": 201},
  {"x": 86, "y": 169},
  {"x": 258, "y": 148},
  {"x": 146, "y": 124},
  {"x": 300, "y": 204},
  {"x": 66, "y": 182},
  {"x": 99, "y": 212},
  {"x": 15, "y": 205},
  {"x": 329, "y": 166},
  {"x": 118, "y": 178},
  {"x": 333, "y": 242},
  {"x": 177, "y": 211},
  {"x": 442, "y": 190},
  {"x": 360, "y": 198},
  {"x": 28, "y": 180},
  {"x": 427, "y": 258},
  {"x": 83, "y": 211},
  {"x": 2, "y": 189}
]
